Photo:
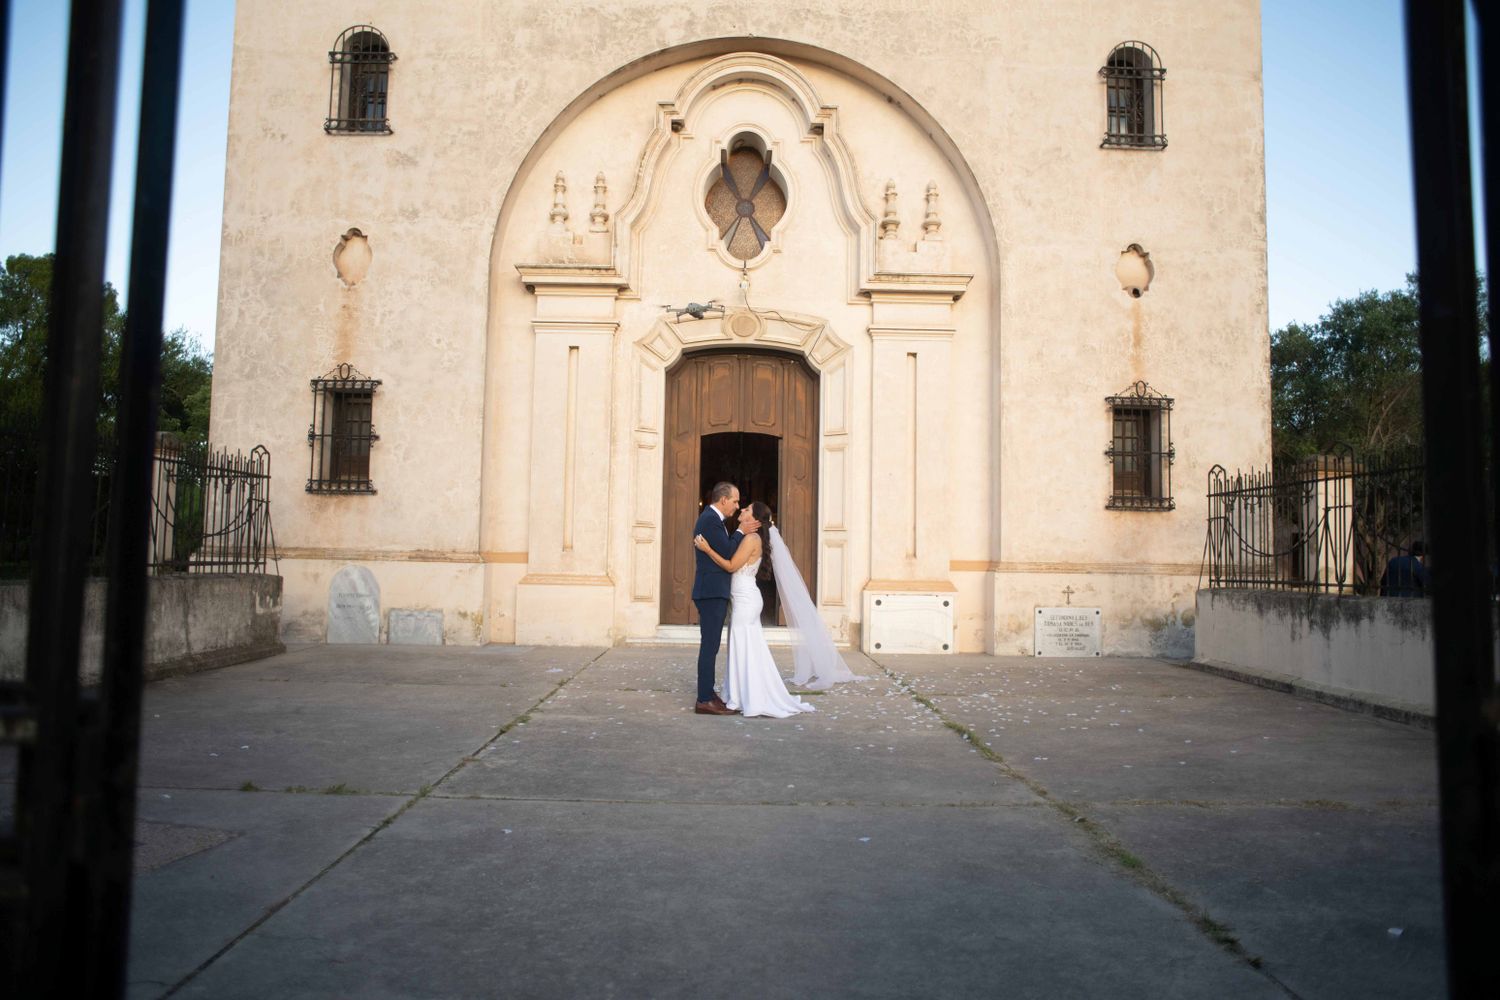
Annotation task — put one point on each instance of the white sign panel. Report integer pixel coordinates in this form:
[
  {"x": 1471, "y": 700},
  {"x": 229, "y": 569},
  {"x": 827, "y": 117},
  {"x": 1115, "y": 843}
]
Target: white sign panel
[
  {"x": 908, "y": 623},
  {"x": 1071, "y": 631}
]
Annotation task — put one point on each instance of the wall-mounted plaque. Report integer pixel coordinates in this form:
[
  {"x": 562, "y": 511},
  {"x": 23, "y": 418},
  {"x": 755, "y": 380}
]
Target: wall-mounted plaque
[
  {"x": 414, "y": 628},
  {"x": 353, "y": 607},
  {"x": 1071, "y": 631}
]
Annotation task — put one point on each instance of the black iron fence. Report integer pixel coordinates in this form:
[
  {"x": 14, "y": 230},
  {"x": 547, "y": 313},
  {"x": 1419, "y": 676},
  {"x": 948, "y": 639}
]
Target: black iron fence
[
  {"x": 18, "y": 471},
  {"x": 1327, "y": 524},
  {"x": 20, "y": 462},
  {"x": 211, "y": 509}
]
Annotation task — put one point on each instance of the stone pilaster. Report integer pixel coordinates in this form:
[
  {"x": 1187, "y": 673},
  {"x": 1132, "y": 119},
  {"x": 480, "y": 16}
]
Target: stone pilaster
[
  {"x": 909, "y": 603},
  {"x": 567, "y": 595}
]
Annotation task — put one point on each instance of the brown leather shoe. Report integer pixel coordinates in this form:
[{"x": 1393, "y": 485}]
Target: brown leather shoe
[
  {"x": 720, "y": 702},
  {"x": 709, "y": 708}
]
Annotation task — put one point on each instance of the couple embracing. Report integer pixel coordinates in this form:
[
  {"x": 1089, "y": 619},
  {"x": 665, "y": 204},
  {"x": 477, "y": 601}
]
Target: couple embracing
[{"x": 724, "y": 585}]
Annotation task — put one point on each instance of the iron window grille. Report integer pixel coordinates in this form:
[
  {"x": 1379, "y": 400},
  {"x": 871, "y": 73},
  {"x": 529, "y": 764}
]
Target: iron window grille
[
  {"x": 359, "y": 83},
  {"x": 342, "y": 432},
  {"x": 1133, "y": 106},
  {"x": 1141, "y": 452}
]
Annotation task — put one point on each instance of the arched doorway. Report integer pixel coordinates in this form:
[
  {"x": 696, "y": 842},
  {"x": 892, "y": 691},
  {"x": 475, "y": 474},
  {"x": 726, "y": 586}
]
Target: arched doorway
[{"x": 751, "y": 418}]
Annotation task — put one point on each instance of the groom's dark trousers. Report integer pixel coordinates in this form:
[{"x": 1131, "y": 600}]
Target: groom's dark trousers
[{"x": 711, "y": 594}]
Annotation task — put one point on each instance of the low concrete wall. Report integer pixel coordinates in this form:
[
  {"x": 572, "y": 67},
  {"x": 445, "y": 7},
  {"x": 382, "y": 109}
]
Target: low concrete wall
[
  {"x": 196, "y": 623},
  {"x": 1373, "y": 653}
]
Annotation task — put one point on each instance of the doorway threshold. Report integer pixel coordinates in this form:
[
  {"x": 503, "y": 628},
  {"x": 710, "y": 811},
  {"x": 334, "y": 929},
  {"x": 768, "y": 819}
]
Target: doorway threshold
[{"x": 687, "y": 635}]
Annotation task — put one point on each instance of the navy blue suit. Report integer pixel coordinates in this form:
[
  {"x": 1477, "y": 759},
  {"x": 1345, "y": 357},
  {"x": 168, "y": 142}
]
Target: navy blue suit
[
  {"x": 1405, "y": 576},
  {"x": 711, "y": 593}
]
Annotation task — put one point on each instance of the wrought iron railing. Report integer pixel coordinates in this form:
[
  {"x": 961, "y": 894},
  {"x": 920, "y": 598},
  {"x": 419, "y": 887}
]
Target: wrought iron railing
[
  {"x": 20, "y": 462},
  {"x": 211, "y": 509},
  {"x": 18, "y": 471},
  {"x": 1328, "y": 524}
]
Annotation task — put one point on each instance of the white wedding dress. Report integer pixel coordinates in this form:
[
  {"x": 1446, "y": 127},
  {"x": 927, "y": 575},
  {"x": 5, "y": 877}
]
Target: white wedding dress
[{"x": 752, "y": 684}]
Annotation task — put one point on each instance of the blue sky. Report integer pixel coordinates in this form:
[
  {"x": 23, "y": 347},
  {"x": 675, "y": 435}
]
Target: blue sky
[
  {"x": 1338, "y": 173},
  {"x": 33, "y": 137}
]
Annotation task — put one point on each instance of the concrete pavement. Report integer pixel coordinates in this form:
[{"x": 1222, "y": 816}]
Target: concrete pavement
[{"x": 537, "y": 822}]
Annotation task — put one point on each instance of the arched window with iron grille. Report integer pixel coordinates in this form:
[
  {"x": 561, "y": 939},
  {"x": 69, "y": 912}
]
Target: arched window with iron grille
[
  {"x": 1140, "y": 450},
  {"x": 342, "y": 431},
  {"x": 359, "y": 82},
  {"x": 1133, "y": 77}
]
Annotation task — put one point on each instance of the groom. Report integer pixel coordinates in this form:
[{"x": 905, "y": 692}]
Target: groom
[{"x": 711, "y": 589}]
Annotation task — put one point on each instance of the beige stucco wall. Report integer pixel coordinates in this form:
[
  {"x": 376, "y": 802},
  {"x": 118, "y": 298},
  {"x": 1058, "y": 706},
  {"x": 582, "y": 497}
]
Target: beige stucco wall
[{"x": 1002, "y": 107}]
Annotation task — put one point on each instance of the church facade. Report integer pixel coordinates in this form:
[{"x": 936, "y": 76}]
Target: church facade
[{"x": 972, "y": 295}]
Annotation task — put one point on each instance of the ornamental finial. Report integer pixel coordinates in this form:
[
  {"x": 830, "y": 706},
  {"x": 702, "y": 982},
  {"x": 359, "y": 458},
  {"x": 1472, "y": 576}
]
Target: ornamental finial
[
  {"x": 931, "y": 223},
  {"x": 599, "y": 218},
  {"x": 890, "y": 225},
  {"x": 559, "y": 213}
]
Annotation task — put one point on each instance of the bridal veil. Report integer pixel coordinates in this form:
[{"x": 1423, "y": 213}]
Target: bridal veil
[{"x": 818, "y": 663}]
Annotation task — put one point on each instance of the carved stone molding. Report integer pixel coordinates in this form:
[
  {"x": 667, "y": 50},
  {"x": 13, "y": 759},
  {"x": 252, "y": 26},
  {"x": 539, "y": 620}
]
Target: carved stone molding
[
  {"x": 809, "y": 336},
  {"x": 819, "y": 123},
  {"x": 829, "y": 354}
]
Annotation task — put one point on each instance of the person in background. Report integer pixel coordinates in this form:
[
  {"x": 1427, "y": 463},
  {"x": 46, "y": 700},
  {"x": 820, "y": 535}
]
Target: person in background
[{"x": 1406, "y": 576}]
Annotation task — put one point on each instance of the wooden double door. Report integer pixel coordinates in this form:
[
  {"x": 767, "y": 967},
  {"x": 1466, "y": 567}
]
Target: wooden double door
[{"x": 749, "y": 418}]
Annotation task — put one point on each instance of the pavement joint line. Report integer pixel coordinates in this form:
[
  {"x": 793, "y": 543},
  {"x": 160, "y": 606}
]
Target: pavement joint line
[
  {"x": 1324, "y": 805},
  {"x": 290, "y": 790},
  {"x": 1105, "y": 843},
  {"x": 786, "y": 803},
  {"x": 421, "y": 794}
]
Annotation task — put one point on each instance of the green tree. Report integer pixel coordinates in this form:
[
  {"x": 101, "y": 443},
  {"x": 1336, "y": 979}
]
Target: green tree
[
  {"x": 1354, "y": 377},
  {"x": 25, "y": 287},
  {"x": 186, "y": 386}
]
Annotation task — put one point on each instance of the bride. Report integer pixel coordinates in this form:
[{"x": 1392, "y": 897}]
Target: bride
[{"x": 752, "y": 683}]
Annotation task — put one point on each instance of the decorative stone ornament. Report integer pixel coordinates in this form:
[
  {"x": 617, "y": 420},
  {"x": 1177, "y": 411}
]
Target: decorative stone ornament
[
  {"x": 559, "y": 245},
  {"x": 931, "y": 223},
  {"x": 745, "y": 200},
  {"x": 599, "y": 218},
  {"x": 744, "y": 323},
  {"x": 1134, "y": 270},
  {"x": 351, "y": 257},
  {"x": 929, "y": 254},
  {"x": 558, "y": 216},
  {"x": 760, "y": 73},
  {"x": 890, "y": 223}
]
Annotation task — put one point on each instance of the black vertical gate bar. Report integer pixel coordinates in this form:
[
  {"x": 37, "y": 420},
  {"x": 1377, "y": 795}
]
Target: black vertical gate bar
[
  {"x": 45, "y": 821},
  {"x": 4, "y": 51},
  {"x": 1488, "y": 19},
  {"x": 10, "y": 695},
  {"x": 1469, "y": 784},
  {"x": 130, "y": 506}
]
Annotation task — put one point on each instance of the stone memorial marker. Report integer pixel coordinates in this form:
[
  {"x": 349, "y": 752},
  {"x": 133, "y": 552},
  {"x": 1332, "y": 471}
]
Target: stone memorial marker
[
  {"x": 354, "y": 607},
  {"x": 405, "y": 627},
  {"x": 1070, "y": 631}
]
